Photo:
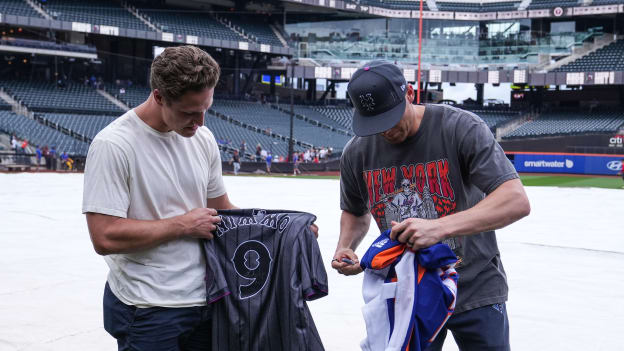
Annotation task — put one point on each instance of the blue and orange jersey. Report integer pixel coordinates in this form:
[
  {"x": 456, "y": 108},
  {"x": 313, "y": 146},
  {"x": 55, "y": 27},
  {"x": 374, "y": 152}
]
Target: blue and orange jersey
[{"x": 408, "y": 295}]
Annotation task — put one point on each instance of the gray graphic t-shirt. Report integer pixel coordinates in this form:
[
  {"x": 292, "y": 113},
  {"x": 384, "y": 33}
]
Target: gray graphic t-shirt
[{"x": 448, "y": 166}]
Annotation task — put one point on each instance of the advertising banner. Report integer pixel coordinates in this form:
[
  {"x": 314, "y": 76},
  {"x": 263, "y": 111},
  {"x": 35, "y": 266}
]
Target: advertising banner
[{"x": 568, "y": 163}]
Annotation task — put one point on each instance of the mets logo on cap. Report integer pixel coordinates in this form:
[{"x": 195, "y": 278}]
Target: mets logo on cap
[{"x": 367, "y": 102}]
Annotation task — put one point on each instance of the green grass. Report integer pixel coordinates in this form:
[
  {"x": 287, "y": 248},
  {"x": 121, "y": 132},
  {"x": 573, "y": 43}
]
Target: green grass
[
  {"x": 284, "y": 175},
  {"x": 614, "y": 182}
]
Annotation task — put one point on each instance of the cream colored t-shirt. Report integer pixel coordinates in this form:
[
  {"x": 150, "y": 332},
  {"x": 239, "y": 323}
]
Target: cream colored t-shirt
[{"x": 134, "y": 171}]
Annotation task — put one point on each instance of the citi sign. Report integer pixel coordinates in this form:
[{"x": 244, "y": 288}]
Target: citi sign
[{"x": 617, "y": 141}]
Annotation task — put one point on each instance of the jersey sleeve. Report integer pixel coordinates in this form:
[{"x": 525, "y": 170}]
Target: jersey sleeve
[
  {"x": 216, "y": 283},
  {"x": 350, "y": 197},
  {"x": 482, "y": 157},
  {"x": 311, "y": 269},
  {"x": 106, "y": 190}
]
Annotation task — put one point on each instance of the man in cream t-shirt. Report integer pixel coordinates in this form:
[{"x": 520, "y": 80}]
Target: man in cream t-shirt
[{"x": 152, "y": 187}]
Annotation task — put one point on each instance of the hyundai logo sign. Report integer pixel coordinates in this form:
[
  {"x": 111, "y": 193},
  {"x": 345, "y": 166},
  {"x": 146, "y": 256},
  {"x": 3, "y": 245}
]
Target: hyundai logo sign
[{"x": 615, "y": 165}]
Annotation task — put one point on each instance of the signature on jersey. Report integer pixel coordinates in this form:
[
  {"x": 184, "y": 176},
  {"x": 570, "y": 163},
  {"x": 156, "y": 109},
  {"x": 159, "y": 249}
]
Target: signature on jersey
[{"x": 259, "y": 217}]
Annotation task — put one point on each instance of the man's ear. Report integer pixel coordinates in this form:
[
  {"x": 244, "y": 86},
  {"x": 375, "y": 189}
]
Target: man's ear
[
  {"x": 410, "y": 95},
  {"x": 158, "y": 97}
]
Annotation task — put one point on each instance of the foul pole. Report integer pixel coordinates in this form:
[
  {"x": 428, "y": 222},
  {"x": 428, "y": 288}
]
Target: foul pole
[{"x": 420, "y": 22}]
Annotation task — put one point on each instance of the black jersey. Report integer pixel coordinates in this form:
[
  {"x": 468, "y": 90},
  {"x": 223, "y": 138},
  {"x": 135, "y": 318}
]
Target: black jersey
[{"x": 262, "y": 267}]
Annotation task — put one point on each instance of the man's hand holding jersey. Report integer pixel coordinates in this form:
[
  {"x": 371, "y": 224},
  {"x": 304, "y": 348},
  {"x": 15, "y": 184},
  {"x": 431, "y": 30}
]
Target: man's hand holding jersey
[
  {"x": 200, "y": 223},
  {"x": 417, "y": 233},
  {"x": 314, "y": 229}
]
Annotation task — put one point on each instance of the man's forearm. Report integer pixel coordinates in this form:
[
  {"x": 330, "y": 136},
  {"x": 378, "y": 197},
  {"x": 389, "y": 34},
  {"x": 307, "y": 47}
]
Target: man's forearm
[
  {"x": 112, "y": 235},
  {"x": 352, "y": 230},
  {"x": 505, "y": 205},
  {"x": 123, "y": 235}
]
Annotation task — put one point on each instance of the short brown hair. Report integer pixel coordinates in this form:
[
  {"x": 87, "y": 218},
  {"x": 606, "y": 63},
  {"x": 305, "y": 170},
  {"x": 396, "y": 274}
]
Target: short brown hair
[{"x": 180, "y": 69}]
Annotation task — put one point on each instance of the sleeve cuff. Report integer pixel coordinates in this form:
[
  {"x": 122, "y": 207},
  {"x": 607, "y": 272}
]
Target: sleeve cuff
[
  {"x": 216, "y": 193},
  {"x": 500, "y": 181},
  {"x": 105, "y": 211},
  {"x": 353, "y": 212},
  {"x": 315, "y": 292}
]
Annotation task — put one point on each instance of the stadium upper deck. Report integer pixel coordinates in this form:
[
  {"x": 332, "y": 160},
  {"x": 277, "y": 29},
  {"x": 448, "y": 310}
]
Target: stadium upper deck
[{"x": 466, "y": 35}]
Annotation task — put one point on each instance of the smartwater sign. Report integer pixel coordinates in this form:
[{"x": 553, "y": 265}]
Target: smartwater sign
[
  {"x": 549, "y": 163},
  {"x": 563, "y": 163}
]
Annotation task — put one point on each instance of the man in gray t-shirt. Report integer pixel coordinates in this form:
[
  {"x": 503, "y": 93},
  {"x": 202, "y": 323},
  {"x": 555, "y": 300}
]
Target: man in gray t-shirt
[{"x": 431, "y": 174}]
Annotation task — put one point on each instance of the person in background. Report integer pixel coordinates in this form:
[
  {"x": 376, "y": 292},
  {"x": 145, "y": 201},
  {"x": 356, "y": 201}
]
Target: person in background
[
  {"x": 24, "y": 147},
  {"x": 39, "y": 154},
  {"x": 296, "y": 161},
  {"x": 53, "y": 157},
  {"x": 258, "y": 153},
  {"x": 46, "y": 156},
  {"x": 64, "y": 158},
  {"x": 235, "y": 160},
  {"x": 268, "y": 160},
  {"x": 14, "y": 143},
  {"x": 70, "y": 163}
]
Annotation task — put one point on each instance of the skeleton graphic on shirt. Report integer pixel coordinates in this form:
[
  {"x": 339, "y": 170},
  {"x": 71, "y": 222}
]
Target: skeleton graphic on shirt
[{"x": 407, "y": 203}]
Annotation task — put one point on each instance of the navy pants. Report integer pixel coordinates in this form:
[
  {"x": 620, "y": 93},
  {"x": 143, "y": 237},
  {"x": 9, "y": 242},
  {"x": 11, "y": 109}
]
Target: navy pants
[
  {"x": 482, "y": 329},
  {"x": 156, "y": 328}
]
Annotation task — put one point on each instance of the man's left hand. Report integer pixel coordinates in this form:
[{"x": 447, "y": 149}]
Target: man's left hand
[{"x": 417, "y": 233}]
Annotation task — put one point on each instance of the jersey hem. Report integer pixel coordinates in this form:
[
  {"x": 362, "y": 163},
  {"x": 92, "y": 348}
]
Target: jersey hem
[{"x": 480, "y": 303}]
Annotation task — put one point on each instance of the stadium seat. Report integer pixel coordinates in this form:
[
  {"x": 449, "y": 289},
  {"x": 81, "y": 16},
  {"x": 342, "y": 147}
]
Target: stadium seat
[
  {"x": 132, "y": 96},
  {"x": 258, "y": 29},
  {"x": 40, "y": 135},
  {"x": 493, "y": 119},
  {"x": 95, "y": 12},
  {"x": 608, "y": 58},
  {"x": 313, "y": 113},
  {"x": 266, "y": 117},
  {"x": 232, "y": 135},
  {"x": 549, "y": 4},
  {"x": 605, "y": 2},
  {"x": 87, "y": 125},
  {"x": 17, "y": 8},
  {"x": 341, "y": 115},
  {"x": 458, "y": 6},
  {"x": 4, "y": 105},
  {"x": 570, "y": 123},
  {"x": 190, "y": 23},
  {"x": 50, "y": 97}
]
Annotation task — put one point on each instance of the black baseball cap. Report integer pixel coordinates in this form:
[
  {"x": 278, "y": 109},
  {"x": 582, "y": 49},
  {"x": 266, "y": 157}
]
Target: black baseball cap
[{"x": 377, "y": 91}]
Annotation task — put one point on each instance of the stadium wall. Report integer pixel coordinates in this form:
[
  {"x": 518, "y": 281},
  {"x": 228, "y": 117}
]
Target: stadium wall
[
  {"x": 586, "y": 143},
  {"x": 283, "y": 167}
]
